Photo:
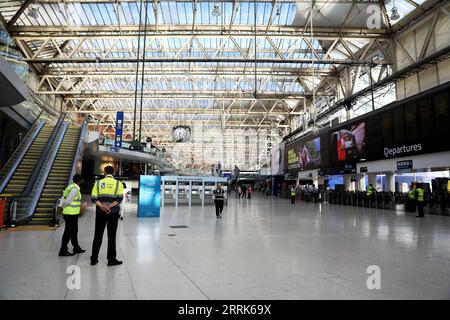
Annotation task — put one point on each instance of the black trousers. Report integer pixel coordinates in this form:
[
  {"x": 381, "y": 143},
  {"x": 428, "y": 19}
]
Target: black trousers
[
  {"x": 70, "y": 232},
  {"x": 420, "y": 208},
  {"x": 109, "y": 221},
  {"x": 219, "y": 206},
  {"x": 292, "y": 199}
]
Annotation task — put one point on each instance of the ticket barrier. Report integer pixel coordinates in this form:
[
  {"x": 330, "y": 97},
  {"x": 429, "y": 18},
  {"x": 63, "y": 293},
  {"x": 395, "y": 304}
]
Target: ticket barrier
[{"x": 169, "y": 193}]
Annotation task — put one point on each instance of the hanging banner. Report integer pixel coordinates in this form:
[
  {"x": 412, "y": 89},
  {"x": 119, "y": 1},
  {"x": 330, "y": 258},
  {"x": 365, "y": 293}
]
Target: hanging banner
[
  {"x": 149, "y": 196},
  {"x": 119, "y": 129},
  {"x": 218, "y": 169},
  {"x": 212, "y": 169}
]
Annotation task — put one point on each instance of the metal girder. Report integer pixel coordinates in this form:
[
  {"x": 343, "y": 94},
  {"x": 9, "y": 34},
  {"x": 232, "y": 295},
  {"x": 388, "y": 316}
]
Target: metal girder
[{"x": 180, "y": 30}]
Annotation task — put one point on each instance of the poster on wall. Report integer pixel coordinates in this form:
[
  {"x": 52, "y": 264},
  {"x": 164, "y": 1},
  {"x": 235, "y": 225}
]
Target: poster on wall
[
  {"x": 304, "y": 155},
  {"x": 348, "y": 144},
  {"x": 149, "y": 196}
]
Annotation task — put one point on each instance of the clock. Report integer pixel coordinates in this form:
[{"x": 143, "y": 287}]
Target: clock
[{"x": 181, "y": 134}]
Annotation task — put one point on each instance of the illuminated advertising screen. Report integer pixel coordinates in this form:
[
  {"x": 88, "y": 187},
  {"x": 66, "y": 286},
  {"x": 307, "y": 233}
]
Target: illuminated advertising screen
[
  {"x": 303, "y": 155},
  {"x": 348, "y": 144}
]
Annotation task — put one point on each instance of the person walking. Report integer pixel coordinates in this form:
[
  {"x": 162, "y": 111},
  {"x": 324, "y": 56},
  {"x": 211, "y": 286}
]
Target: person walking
[
  {"x": 219, "y": 199},
  {"x": 249, "y": 195},
  {"x": 244, "y": 191},
  {"x": 419, "y": 200},
  {"x": 239, "y": 191},
  {"x": 72, "y": 207},
  {"x": 125, "y": 199},
  {"x": 107, "y": 195}
]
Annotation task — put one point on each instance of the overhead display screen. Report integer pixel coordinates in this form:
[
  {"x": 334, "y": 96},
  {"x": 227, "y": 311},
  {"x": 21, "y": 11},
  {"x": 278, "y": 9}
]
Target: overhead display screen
[
  {"x": 303, "y": 155},
  {"x": 348, "y": 144}
]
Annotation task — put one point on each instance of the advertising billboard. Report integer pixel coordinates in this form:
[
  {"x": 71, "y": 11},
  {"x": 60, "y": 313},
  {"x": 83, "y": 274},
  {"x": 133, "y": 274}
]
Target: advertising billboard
[
  {"x": 303, "y": 155},
  {"x": 348, "y": 144},
  {"x": 149, "y": 196}
]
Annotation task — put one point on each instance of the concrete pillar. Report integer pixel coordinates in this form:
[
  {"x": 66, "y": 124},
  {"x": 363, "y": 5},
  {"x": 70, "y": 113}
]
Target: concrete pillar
[
  {"x": 361, "y": 182},
  {"x": 315, "y": 178},
  {"x": 390, "y": 182},
  {"x": 347, "y": 182},
  {"x": 373, "y": 180}
]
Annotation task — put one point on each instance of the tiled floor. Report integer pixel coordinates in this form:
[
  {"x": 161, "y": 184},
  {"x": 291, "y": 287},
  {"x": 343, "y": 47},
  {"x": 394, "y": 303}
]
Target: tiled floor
[{"x": 263, "y": 248}]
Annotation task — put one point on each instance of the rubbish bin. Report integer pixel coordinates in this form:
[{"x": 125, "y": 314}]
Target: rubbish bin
[{"x": 2, "y": 212}]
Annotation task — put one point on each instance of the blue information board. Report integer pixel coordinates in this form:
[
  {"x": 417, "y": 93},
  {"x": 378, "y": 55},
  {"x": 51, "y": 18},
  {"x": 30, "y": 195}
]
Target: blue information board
[
  {"x": 119, "y": 129},
  {"x": 149, "y": 196}
]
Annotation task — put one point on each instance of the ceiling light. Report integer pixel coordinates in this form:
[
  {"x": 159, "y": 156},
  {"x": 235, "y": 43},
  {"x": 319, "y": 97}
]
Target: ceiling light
[
  {"x": 33, "y": 12},
  {"x": 394, "y": 13},
  {"x": 216, "y": 10}
]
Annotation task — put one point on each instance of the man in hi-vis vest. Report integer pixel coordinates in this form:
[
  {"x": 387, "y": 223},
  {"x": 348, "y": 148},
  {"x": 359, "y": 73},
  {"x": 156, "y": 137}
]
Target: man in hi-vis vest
[
  {"x": 107, "y": 195},
  {"x": 72, "y": 207}
]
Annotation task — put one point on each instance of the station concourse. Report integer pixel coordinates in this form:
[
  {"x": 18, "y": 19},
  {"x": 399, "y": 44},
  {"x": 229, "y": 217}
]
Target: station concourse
[{"x": 231, "y": 150}]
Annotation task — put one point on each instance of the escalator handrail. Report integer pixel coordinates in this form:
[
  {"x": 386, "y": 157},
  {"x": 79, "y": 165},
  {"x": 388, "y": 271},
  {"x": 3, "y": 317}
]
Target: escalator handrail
[
  {"x": 37, "y": 169},
  {"x": 78, "y": 152},
  {"x": 21, "y": 155},
  {"x": 38, "y": 186}
]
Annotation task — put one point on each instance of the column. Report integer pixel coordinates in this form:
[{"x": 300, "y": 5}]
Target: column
[
  {"x": 347, "y": 182},
  {"x": 373, "y": 179},
  {"x": 349, "y": 114},
  {"x": 315, "y": 178},
  {"x": 163, "y": 194},
  {"x": 176, "y": 194},
  {"x": 390, "y": 182},
  {"x": 190, "y": 193},
  {"x": 361, "y": 182}
]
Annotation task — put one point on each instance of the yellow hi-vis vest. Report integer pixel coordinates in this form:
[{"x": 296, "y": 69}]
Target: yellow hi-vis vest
[
  {"x": 411, "y": 194},
  {"x": 292, "y": 192},
  {"x": 420, "y": 194},
  {"x": 74, "y": 207},
  {"x": 369, "y": 191}
]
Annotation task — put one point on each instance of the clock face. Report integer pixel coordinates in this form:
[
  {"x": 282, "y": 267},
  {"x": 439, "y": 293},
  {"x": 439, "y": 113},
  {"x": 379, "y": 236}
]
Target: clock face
[{"x": 179, "y": 134}]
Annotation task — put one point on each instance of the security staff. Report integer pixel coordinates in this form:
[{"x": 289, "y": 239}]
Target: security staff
[
  {"x": 420, "y": 201},
  {"x": 107, "y": 195},
  {"x": 219, "y": 198},
  {"x": 71, "y": 204},
  {"x": 411, "y": 201},
  {"x": 292, "y": 195},
  {"x": 370, "y": 193}
]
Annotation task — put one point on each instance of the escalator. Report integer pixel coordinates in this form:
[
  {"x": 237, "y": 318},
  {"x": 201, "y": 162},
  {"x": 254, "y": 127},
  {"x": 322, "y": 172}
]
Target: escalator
[
  {"x": 21, "y": 175},
  {"x": 58, "y": 177}
]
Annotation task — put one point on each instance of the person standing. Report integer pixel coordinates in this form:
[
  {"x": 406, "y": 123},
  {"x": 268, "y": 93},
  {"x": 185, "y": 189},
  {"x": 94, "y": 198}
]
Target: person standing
[
  {"x": 239, "y": 191},
  {"x": 72, "y": 207},
  {"x": 419, "y": 201},
  {"x": 244, "y": 192},
  {"x": 249, "y": 192},
  {"x": 293, "y": 195},
  {"x": 124, "y": 201},
  {"x": 370, "y": 194},
  {"x": 219, "y": 198},
  {"x": 107, "y": 195},
  {"x": 411, "y": 199}
]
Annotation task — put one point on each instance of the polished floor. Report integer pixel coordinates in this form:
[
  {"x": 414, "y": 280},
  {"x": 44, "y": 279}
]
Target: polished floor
[{"x": 263, "y": 248}]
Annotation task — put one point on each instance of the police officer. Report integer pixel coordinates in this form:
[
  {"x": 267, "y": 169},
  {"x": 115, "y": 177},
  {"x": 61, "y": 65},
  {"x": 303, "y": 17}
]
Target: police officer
[
  {"x": 293, "y": 195},
  {"x": 71, "y": 204},
  {"x": 419, "y": 201},
  {"x": 219, "y": 198},
  {"x": 107, "y": 195}
]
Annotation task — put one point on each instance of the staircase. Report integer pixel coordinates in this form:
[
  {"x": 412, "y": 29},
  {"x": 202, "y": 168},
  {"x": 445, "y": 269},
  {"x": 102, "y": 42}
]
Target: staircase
[
  {"x": 23, "y": 172},
  {"x": 58, "y": 177}
]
